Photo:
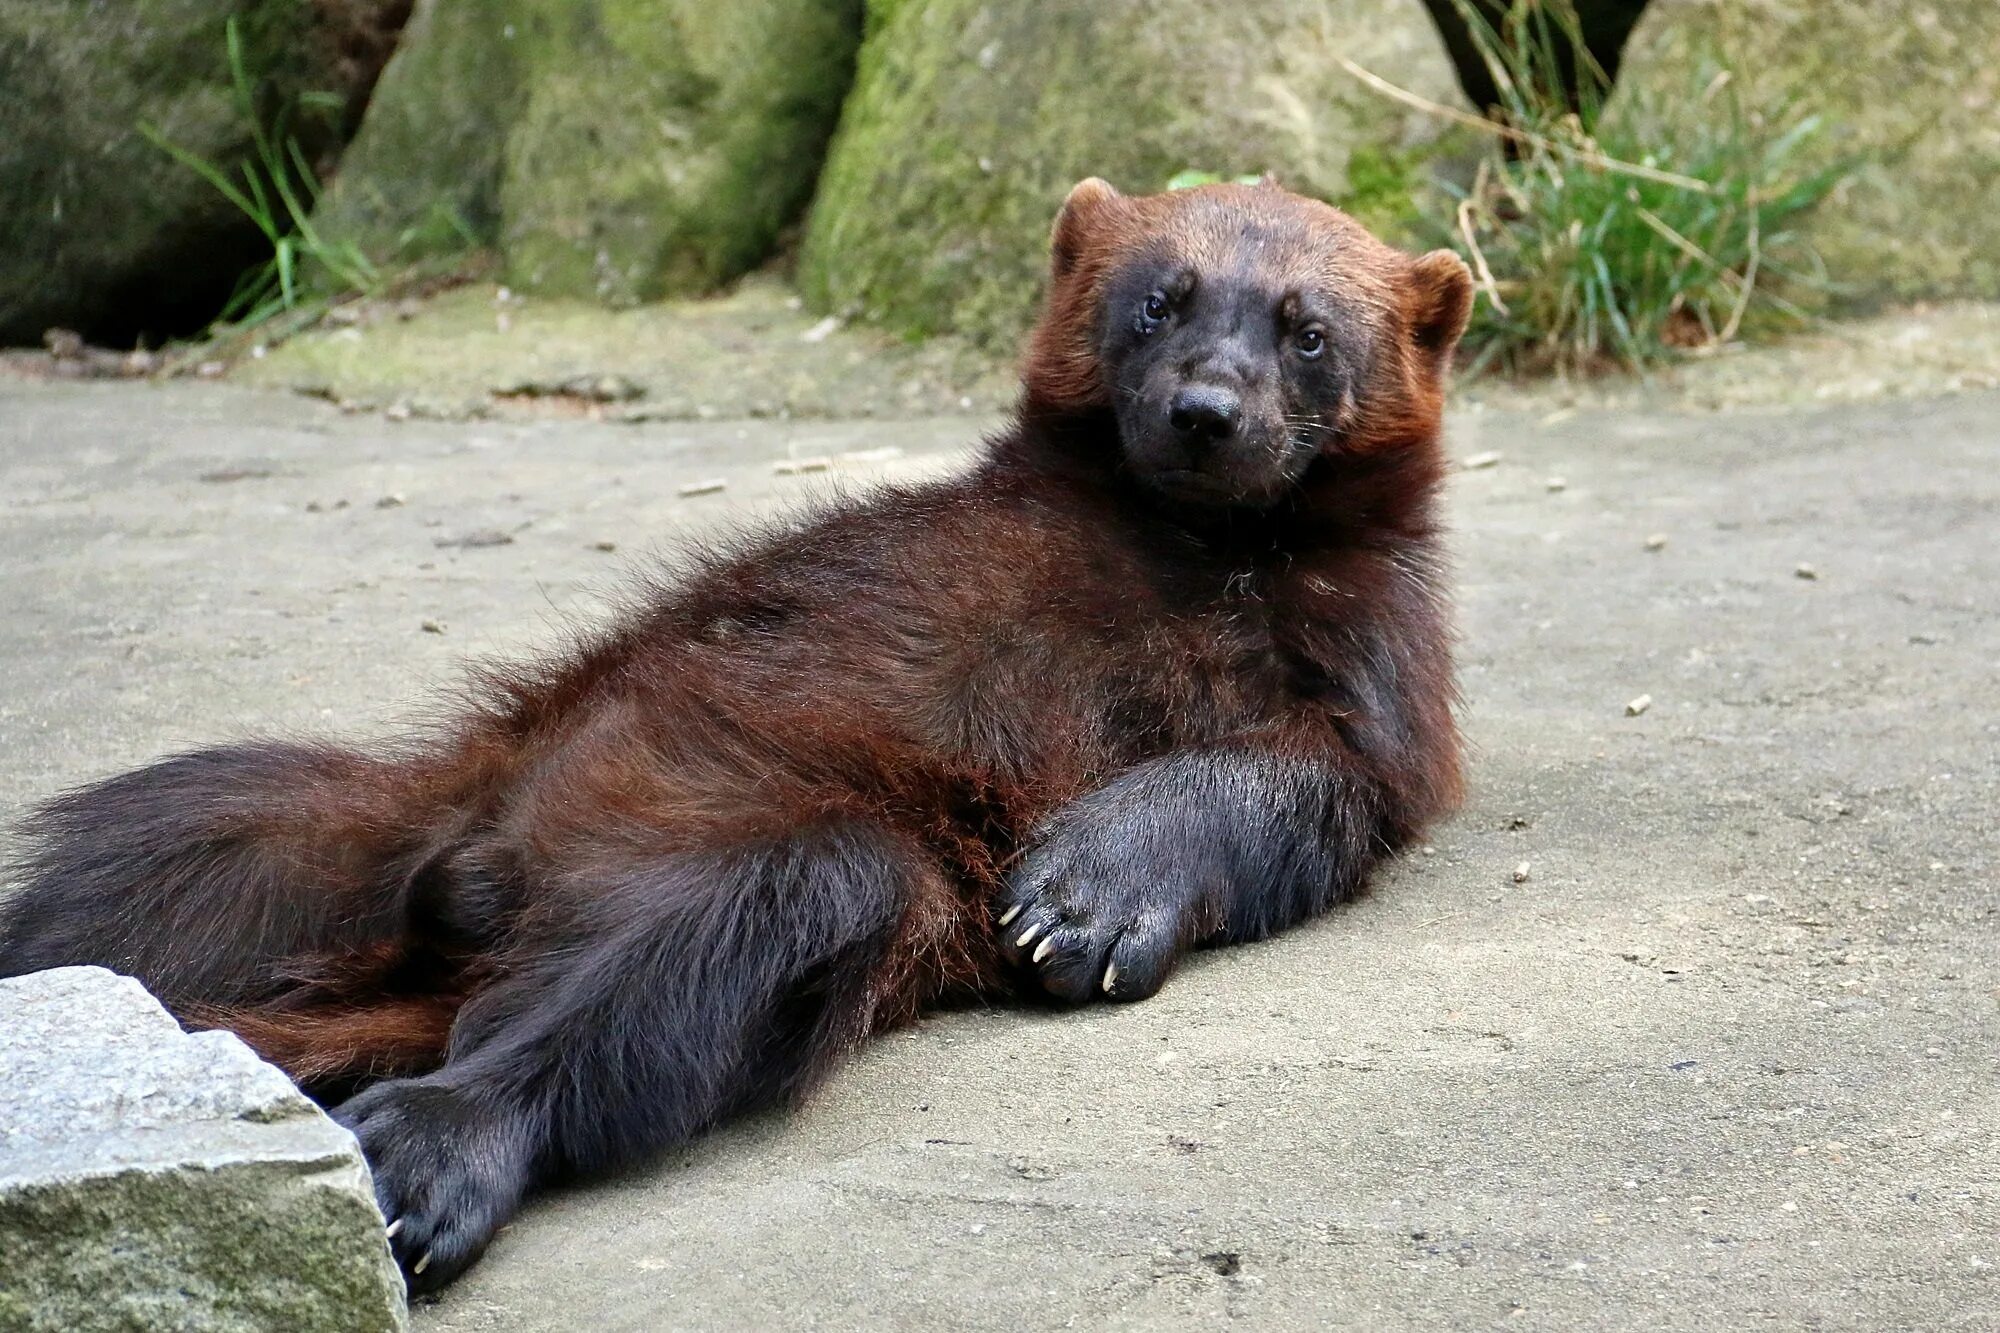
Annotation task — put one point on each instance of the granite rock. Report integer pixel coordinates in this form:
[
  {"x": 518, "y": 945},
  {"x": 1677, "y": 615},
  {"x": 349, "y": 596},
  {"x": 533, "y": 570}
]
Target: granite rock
[{"x": 154, "y": 1178}]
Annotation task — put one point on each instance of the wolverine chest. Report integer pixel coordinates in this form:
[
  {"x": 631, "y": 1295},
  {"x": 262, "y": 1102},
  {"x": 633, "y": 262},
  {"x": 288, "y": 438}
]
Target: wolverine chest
[{"x": 1218, "y": 667}]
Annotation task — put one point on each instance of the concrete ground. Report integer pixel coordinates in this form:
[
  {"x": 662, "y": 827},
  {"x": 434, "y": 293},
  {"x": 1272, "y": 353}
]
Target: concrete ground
[{"x": 1726, "y": 1057}]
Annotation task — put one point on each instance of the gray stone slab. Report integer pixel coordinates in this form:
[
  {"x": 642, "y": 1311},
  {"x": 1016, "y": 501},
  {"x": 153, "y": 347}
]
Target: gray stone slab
[{"x": 152, "y": 1178}]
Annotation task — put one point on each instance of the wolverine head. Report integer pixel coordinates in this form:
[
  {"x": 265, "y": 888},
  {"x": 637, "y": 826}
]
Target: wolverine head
[{"x": 1239, "y": 334}]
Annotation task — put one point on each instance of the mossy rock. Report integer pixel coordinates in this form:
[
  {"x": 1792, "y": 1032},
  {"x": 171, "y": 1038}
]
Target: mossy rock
[
  {"x": 100, "y": 230},
  {"x": 1907, "y": 89},
  {"x": 623, "y": 150},
  {"x": 971, "y": 118},
  {"x": 423, "y": 173}
]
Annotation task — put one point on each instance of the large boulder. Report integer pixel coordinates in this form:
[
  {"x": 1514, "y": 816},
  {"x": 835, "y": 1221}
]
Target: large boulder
[
  {"x": 100, "y": 230},
  {"x": 1911, "y": 88},
  {"x": 971, "y": 118},
  {"x": 152, "y": 1179},
  {"x": 618, "y": 149}
]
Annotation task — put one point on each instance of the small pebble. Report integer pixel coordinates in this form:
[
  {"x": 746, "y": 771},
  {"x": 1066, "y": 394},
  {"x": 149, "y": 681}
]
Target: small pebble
[
  {"x": 1639, "y": 705},
  {"x": 1485, "y": 460},
  {"x": 1521, "y": 873},
  {"x": 604, "y": 546},
  {"x": 475, "y": 540},
  {"x": 793, "y": 467},
  {"x": 709, "y": 487},
  {"x": 393, "y": 500},
  {"x": 1805, "y": 571},
  {"x": 433, "y": 627},
  {"x": 1657, "y": 542},
  {"x": 1557, "y": 484},
  {"x": 888, "y": 453}
]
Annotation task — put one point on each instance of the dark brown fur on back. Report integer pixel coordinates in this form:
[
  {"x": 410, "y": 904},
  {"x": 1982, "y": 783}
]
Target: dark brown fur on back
[{"x": 1122, "y": 688}]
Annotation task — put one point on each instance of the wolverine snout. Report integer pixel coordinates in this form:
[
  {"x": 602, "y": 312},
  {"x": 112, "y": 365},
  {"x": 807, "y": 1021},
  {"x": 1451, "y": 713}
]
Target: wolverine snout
[{"x": 1204, "y": 413}]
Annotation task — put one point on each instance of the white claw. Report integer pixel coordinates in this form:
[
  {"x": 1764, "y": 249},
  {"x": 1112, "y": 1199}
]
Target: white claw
[
  {"x": 1110, "y": 977},
  {"x": 394, "y": 1227},
  {"x": 1012, "y": 912},
  {"x": 1027, "y": 937},
  {"x": 421, "y": 1264},
  {"x": 1048, "y": 946}
]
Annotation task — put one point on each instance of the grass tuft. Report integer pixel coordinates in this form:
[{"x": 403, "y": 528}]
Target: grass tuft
[
  {"x": 275, "y": 188},
  {"x": 1630, "y": 241}
]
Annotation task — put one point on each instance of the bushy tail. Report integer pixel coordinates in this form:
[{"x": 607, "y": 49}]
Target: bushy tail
[{"x": 262, "y": 887}]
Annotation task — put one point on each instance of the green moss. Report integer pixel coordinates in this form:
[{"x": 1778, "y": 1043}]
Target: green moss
[
  {"x": 428, "y": 153},
  {"x": 618, "y": 149},
  {"x": 92, "y": 216},
  {"x": 1382, "y": 190},
  {"x": 1911, "y": 90},
  {"x": 969, "y": 121},
  {"x": 249, "y": 1245}
]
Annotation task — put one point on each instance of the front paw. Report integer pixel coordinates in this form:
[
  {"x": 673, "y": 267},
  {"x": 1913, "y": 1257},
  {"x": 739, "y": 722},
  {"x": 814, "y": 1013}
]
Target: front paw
[
  {"x": 1102, "y": 908},
  {"x": 449, "y": 1171}
]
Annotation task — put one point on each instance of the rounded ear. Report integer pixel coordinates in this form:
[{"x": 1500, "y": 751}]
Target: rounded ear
[
  {"x": 1060, "y": 369},
  {"x": 1440, "y": 301},
  {"x": 1081, "y": 212},
  {"x": 1269, "y": 181}
]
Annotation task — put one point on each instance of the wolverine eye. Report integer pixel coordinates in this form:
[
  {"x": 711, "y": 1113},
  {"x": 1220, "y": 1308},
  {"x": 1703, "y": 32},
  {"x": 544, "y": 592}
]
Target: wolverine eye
[
  {"x": 1311, "y": 343},
  {"x": 1153, "y": 312}
]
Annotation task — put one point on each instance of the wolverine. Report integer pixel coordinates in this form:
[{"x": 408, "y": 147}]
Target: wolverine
[{"x": 1168, "y": 666}]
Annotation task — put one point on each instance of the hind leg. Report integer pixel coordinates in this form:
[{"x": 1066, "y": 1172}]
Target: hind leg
[{"x": 689, "y": 988}]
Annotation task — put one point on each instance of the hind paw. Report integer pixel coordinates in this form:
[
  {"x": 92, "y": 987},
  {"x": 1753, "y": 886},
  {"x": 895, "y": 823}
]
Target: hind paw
[{"x": 449, "y": 1171}]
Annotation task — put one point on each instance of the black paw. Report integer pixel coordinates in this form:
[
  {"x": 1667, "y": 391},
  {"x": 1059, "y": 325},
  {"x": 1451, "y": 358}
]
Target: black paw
[
  {"x": 449, "y": 1171},
  {"x": 1105, "y": 904}
]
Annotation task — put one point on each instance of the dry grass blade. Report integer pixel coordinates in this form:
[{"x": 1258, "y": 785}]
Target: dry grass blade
[
  {"x": 1749, "y": 283},
  {"x": 1686, "y": 247},
  {"x": 1482, "y": 275},
  {"x": 1638, "y": 170}
]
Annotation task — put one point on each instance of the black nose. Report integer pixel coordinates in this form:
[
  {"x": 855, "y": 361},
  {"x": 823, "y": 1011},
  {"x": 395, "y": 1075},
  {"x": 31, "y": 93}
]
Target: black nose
[{"x": 1205, "y": 412}]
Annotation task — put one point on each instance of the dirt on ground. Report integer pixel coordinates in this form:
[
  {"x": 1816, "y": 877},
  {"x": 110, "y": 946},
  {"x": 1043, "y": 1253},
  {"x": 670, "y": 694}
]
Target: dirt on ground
[
  {"x": 479, "y": 351},
  {"x": 1691, "y": 1018}
]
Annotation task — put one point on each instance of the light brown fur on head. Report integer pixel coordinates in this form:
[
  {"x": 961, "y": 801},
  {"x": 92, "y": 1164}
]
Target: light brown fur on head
[{"x": 1413, "y": 309}]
